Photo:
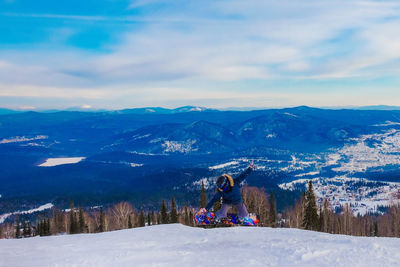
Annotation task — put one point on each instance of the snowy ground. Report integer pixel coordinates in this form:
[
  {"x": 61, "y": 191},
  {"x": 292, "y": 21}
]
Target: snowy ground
[
  {"x": 60, "y": 161},
  {"x": 177, "y": 245}
]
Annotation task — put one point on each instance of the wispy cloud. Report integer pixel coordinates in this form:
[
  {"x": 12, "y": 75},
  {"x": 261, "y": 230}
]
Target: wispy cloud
[{"x": 214, "y": 44}]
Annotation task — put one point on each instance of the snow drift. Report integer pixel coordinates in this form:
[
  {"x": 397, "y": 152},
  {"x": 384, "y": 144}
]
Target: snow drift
[{"x": 178, "y": 245}]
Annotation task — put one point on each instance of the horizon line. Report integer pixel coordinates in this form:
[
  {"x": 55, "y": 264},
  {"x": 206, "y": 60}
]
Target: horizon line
[{"x": 248, "y": 108}]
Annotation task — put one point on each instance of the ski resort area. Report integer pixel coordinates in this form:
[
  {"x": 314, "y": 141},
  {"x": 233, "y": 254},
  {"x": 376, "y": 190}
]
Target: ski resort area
[
  {"x": 362, "y": 196},
  {"x": 178, "y": 245}
]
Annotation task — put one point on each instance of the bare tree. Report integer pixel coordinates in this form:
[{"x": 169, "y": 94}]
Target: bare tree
[
  {"x": 347, "y": 220},
  {"x": 8, "y": 230},
  {"x": 120, "y": 215}
]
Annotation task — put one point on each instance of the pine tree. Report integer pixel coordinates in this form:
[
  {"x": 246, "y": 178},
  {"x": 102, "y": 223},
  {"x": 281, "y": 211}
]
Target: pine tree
[
  {"x": 302, "y": 209},
  {"x": 321, "y": 220},
  {"x": 187, "y": 218},
  {"x": 153, "y": 217},
  {"x": 43, "y": 227},
  {"x": 29, "y": 231},
  {"x": 203, "y": 196},
  {"x": 18, "y": 230},
  {"x": 191, "y": 216},
  {"x": 25, "y": 230},
  {"x": 48, "y": 227},
  {"x": 82, "y": 224},
  {"x": 142, "y": 219},
  {"x": 73, "y": 226},
  {"x": 376, "y": 232},
  {"x": 272, "y": 210},
  {"x": 148, "y": 219},
  {"x": 310, "y": 219},
  {"x": 164, "y": 213},
  {"x": 130, "y": 225},
  {"x": 38, "y": 228},
  {"x": 174, "y": 213},
  {"x": 102, "y": 222},
  {"x": 158, "y": 218}
]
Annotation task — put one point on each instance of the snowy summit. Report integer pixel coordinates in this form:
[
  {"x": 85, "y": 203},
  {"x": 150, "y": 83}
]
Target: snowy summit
[{"x": 178, "y": 245}]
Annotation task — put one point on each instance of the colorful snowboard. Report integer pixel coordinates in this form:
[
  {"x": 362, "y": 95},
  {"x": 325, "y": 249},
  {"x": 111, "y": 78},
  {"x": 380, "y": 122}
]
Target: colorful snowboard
[{"x": 208, "y": 218}]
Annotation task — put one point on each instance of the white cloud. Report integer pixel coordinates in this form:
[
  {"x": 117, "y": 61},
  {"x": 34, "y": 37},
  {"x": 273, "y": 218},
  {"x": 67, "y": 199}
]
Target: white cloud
[{"x": 188, "y": 43}]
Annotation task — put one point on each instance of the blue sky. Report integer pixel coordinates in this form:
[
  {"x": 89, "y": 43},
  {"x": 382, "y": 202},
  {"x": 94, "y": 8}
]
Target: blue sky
[{"x": 126, "y": 53}]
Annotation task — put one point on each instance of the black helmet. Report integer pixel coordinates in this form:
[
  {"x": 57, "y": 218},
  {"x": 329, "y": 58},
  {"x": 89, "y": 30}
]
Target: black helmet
[{"x": 225, "y": 183}]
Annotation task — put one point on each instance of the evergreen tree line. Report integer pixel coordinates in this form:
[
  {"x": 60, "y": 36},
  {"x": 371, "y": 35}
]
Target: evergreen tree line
[
  {"x": 43, "y": 228},
  {"x": 22, "y": 229},
  {"x": 305, "y": 214},
  {"x": 77, "y": 220}
]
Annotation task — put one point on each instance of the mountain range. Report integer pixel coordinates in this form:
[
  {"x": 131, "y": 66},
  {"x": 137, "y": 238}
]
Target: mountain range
[{"x": 148, "y": 154}]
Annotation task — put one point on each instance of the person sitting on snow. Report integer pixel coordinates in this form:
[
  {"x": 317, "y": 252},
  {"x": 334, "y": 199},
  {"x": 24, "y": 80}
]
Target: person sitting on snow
[{"x": 229, "y": 189}]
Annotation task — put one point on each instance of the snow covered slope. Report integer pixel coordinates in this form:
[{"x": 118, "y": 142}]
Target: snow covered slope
[
  {"x": 47, "y": 206},
  {"x": 177, "y": 245}
]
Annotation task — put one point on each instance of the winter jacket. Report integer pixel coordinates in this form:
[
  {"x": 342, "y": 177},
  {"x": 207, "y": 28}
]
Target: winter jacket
[{"x": 232, "y": 197}]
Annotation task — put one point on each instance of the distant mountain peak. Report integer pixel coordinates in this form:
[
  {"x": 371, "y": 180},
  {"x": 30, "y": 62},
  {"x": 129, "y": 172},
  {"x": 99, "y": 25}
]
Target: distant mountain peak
[
  {"x": 160, "y": 110},
  {"x": 302, "y": 108},
  {"x": 190, "y": 109}
]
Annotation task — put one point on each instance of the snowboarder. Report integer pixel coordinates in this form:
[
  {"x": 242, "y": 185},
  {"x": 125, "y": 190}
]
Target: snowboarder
[{"x": 229, "y": 189}]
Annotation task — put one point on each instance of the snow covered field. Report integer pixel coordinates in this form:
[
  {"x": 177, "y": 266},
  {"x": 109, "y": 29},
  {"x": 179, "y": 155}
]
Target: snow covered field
[
  {"x": 60, "y": 161},
  {"x": 21, "y": 139},
  {"x": 178, "y": 245},
  {"x": 224, "y": 165}
]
